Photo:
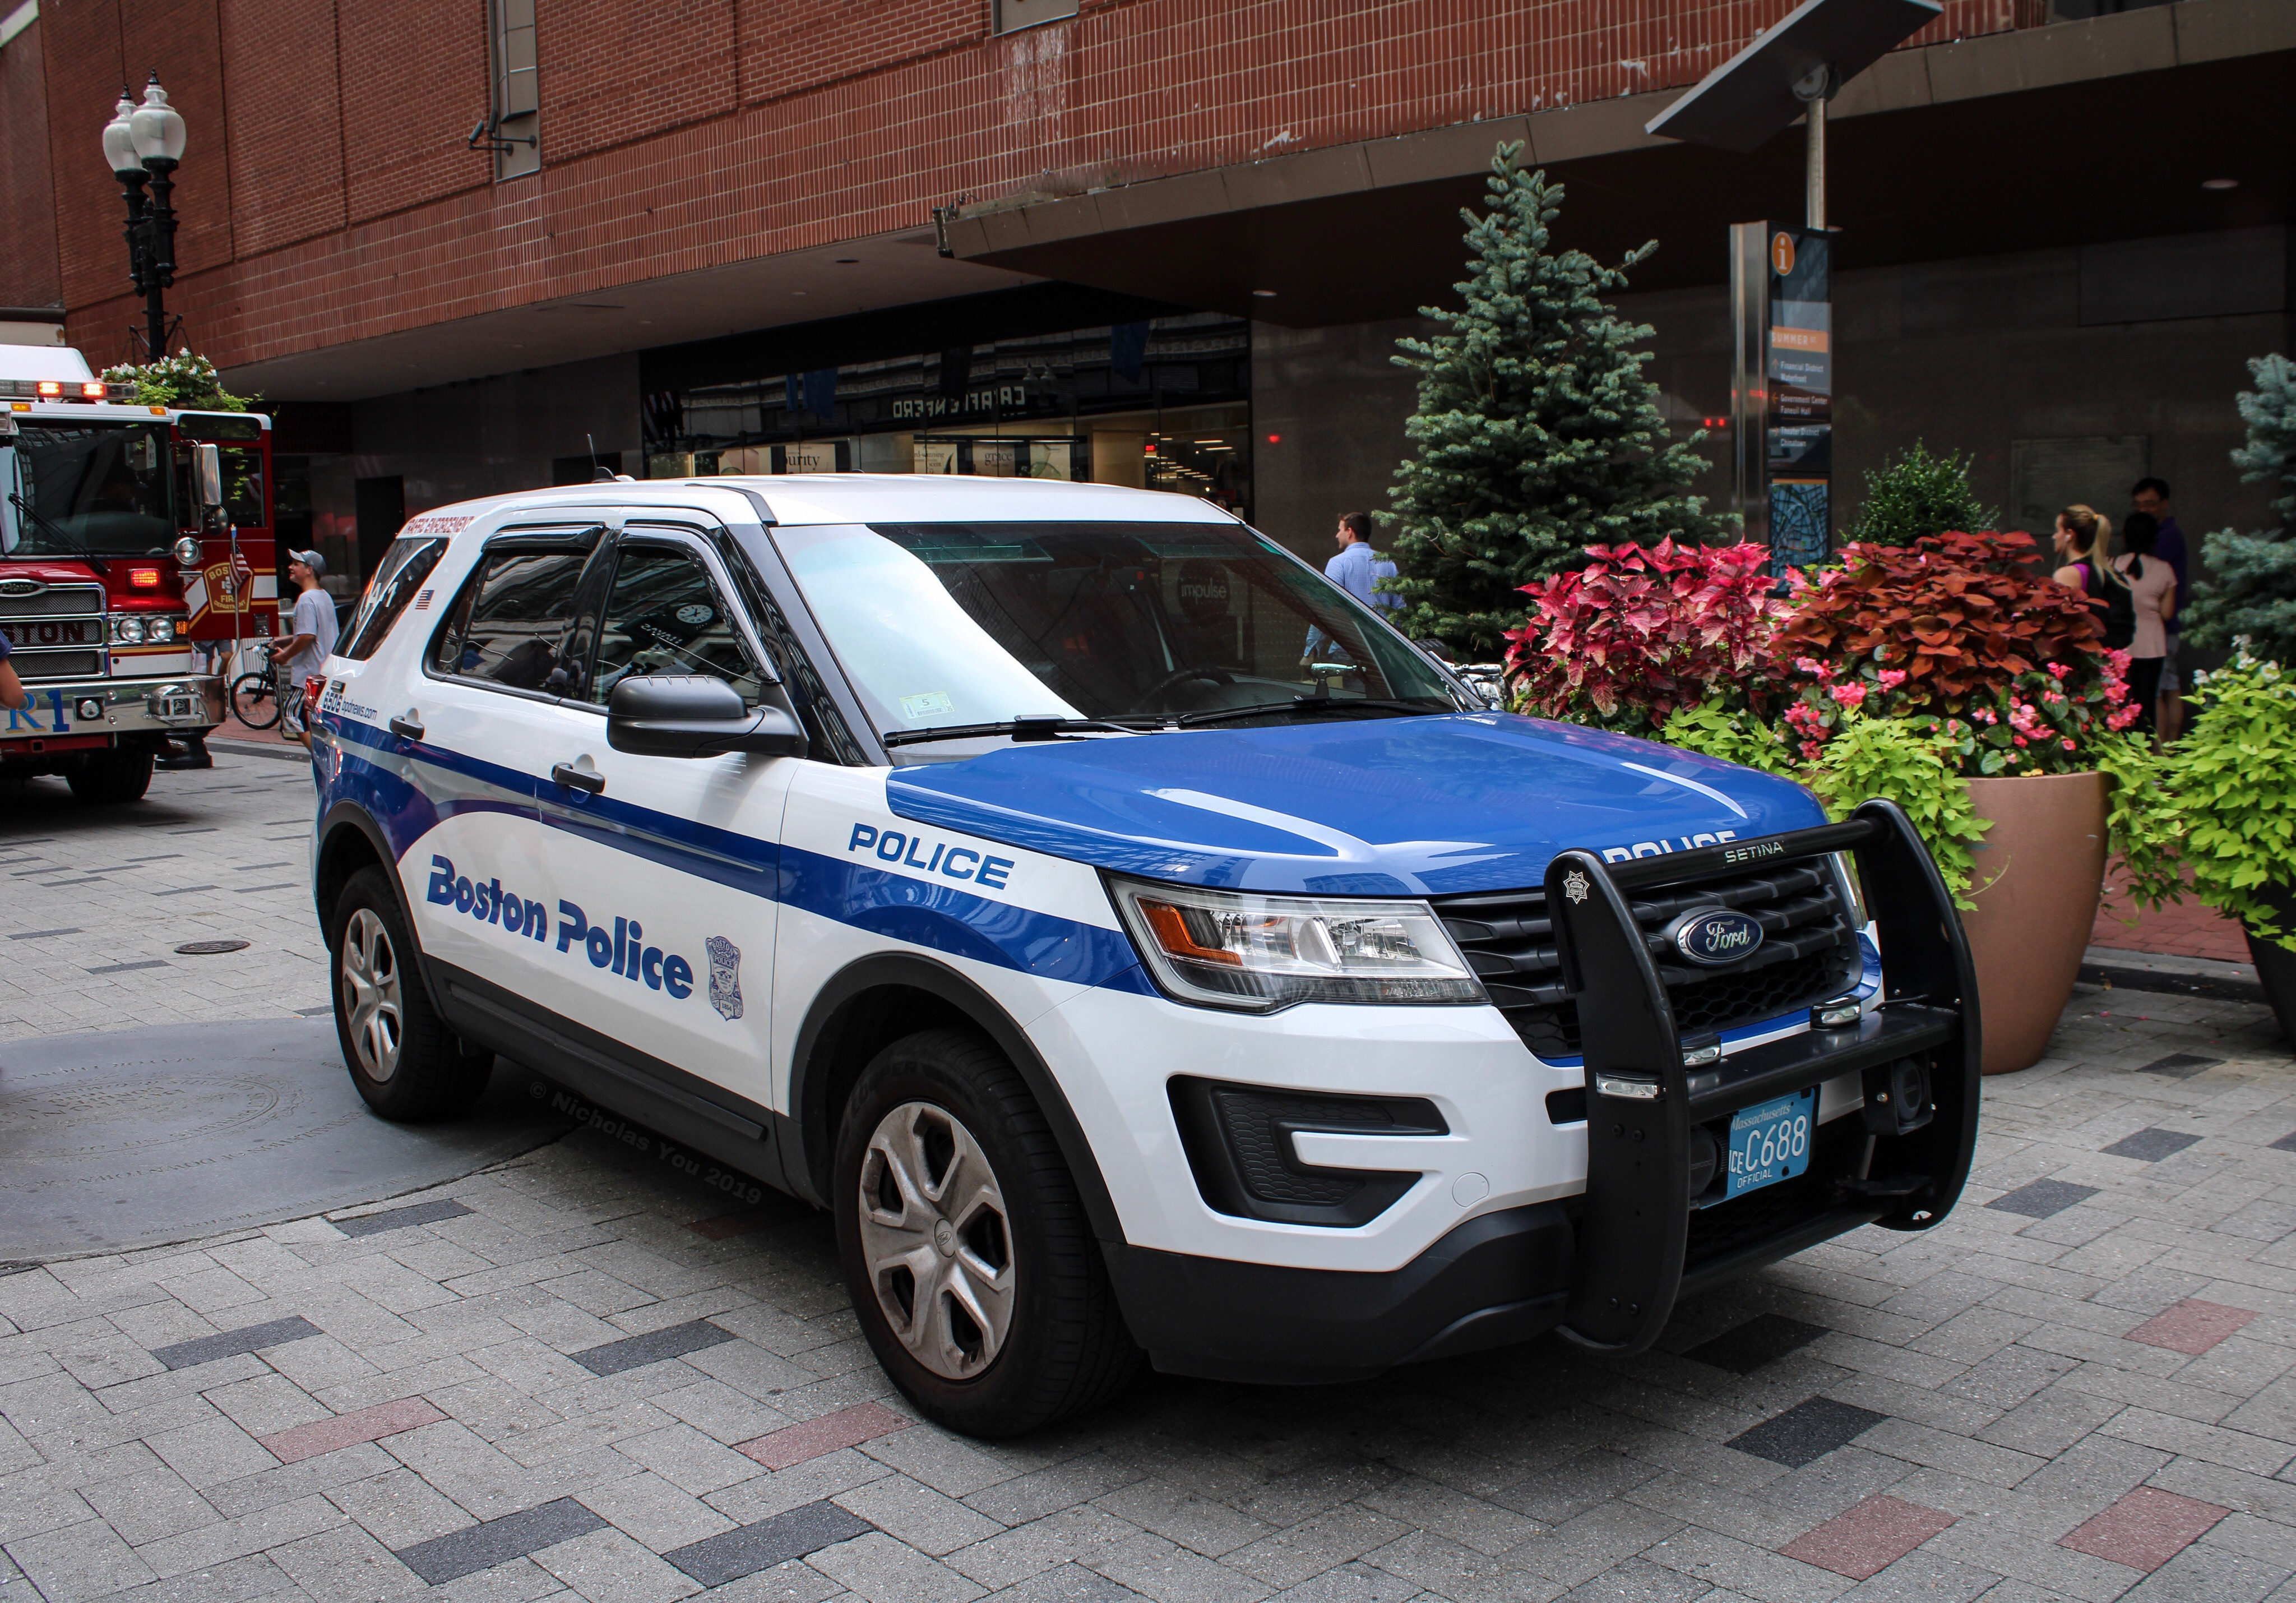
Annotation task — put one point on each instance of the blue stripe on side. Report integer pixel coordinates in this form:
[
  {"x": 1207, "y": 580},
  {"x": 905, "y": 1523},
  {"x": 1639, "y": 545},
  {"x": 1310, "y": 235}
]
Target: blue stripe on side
[{"x": 940, "y": 918}]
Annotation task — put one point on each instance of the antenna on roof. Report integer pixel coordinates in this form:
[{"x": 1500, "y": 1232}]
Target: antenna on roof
[{"x": 598, "y": 473}]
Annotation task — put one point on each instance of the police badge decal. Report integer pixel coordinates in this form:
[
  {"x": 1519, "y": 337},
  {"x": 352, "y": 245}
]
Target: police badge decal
[{"x": 725, "y": 976}]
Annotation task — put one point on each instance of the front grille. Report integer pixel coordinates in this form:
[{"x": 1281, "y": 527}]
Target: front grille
[
  {"x": 57, "y": 664},
  {"x": 1808, "y": 952},
  {"x": 61, "y": 601}
]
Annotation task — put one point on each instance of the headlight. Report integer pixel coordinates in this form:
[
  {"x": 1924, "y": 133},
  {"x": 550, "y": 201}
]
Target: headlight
[
  {"x": 128, "y": 629},
  {"x": 1257, "y": 953},
  {"x": 159, "y": 629},
  {"x": 187, "y": 553}
]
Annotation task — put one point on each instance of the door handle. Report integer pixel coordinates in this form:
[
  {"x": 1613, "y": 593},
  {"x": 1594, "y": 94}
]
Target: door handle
[
  {"x": 580, "y": 779},
  {"x": 407, "y": 728}
]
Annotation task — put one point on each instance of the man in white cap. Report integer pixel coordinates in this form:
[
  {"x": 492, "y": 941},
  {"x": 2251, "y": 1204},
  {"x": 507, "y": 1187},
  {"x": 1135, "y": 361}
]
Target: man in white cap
[{"x": 303, "y": 651}]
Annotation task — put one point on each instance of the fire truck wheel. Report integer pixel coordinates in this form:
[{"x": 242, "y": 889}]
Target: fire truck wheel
[
  {"x": 108, "y": 777},
  {"x": 402, "y": 1056}
]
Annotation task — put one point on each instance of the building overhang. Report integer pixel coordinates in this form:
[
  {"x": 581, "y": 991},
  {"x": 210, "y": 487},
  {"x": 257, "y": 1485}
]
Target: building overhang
[{"x": 2070, "y": 133}]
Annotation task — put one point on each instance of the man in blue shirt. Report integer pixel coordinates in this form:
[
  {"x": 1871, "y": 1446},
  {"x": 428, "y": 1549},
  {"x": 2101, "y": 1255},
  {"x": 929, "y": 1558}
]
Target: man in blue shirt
[
  {"x": 1354, "y": 569},
  {"x": 2152, "y": 495}
]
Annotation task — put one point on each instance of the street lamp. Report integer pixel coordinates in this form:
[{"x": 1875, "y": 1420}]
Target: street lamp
[{"x": 142, "y": 146}]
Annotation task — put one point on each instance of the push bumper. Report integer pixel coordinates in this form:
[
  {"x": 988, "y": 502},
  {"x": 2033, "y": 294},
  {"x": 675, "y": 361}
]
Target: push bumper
[
  {"x": 1607, "y": 1268},
  {"x": 74, "y": 710}
]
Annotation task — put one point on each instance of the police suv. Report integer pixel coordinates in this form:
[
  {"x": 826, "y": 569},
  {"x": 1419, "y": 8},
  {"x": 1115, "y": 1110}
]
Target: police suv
[{"x": 1135, "y": 943}]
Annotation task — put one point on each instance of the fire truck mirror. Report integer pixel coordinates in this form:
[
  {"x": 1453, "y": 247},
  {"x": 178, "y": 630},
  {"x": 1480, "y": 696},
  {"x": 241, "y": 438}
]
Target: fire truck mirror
[{"x": 207, "y": 475}]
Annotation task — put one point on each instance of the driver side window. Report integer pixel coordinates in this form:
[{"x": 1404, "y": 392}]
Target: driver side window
[{"x": 664, "y": 616}]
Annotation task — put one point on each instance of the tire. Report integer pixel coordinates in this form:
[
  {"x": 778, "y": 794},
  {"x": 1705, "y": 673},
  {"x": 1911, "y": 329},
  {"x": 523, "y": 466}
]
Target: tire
[
  {"x": 255, "y": 700},
  {"x": 402, "y": 1057},
  {"x": 112, "y": 776},
  {"x": 944, "y": 1110}
]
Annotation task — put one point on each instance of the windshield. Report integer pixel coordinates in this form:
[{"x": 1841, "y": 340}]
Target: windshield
[
  {"x": 950, "y": 624},
  {"x": 70, "y": 489}
]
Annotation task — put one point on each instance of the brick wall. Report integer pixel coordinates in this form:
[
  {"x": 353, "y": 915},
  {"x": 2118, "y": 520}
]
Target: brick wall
[
  {"x": 682, "y": 134},
  {"x": 30, "y": 273}
]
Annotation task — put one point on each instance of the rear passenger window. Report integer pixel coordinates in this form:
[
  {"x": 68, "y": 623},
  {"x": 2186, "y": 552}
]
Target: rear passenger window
[
  {"x": 509, "y": 626},
  {"x": 399, "y": 578}
]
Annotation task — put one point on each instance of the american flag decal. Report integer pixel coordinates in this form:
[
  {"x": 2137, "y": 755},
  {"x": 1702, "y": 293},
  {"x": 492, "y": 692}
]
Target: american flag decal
[{"x": 423, "y": 601}]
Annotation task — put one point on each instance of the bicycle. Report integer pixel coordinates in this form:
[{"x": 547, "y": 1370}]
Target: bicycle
[{"x": 252, "y": 692}]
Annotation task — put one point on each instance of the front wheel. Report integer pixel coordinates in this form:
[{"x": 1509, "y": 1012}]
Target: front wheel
[
  {"x": 965, "y": 1248},
  {"x": 255, "y": 700},
  {"x": 112, "y": 776},
  {"x": 405, "y": 1061}
]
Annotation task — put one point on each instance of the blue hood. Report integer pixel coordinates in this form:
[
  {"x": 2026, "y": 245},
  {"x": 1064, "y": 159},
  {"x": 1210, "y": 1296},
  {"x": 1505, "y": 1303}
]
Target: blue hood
[{"x": 1374, "y": 806}]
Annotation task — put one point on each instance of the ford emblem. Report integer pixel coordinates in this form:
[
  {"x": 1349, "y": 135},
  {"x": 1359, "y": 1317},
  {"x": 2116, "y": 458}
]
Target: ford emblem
[
  {"x": 1712, "y": 937},
  {"x": 21, "y": 587}
]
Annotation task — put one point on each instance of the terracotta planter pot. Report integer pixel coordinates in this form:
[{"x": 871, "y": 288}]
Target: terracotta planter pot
[{"x": 2042, "y": 867}]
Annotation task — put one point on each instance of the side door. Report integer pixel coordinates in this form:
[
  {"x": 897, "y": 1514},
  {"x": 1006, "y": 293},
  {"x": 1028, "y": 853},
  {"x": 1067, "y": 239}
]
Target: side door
[
  {"x": 665, "y": 873},
  {"x": 480, "y": 730}
]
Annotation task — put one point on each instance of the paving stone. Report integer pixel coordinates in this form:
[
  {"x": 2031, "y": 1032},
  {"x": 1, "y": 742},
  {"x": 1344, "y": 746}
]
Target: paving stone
[
  {"x": 231, "y": 1344},
  {"x": 2145, "y": 1529},
  {"x": 746, "y": 1549},
  {"x": 2192, "y": 1326},
  {"x": 1807, "y": 1432},
  {"x": 2042, "y": 1198},
  {"x": 1761, "y": 1340},
  {"x": 2179, "y": 1065},
  {"x": 2150, "y": 1146},
  {"x": 1869, "y": 1538},
  {"x": 845, "y": 1427},
  {"x": 880, "y": 1570},
  {"x": 85, "y": 1560},
  {"x": 636, "y": 1351},
  {"x": 401, "y": 1219},
  {"x": 459, "y": 1553}
]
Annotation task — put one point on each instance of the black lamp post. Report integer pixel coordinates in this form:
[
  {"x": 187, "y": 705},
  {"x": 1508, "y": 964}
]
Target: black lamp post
[{"x": 142, "y": 146}]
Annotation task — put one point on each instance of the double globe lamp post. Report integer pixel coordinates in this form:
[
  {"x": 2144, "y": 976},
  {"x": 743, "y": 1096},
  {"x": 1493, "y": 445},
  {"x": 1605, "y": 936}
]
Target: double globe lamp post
[{"x": 143, "y": 145}]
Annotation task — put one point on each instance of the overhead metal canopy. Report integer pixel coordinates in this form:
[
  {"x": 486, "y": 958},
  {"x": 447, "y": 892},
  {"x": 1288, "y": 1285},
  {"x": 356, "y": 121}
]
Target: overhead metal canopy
[{"x": 1740, "y": 104}]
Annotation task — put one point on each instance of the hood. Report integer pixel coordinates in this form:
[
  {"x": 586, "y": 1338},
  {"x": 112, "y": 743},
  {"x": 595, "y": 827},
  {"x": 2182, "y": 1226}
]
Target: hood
[{"x": 1376, "y": 807}]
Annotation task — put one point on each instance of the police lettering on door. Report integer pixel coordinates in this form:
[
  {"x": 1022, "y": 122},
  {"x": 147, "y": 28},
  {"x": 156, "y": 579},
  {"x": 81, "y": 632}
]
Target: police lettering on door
[
  {"x": 950, "y": 862},
  {"x": 620, "y": 950}
]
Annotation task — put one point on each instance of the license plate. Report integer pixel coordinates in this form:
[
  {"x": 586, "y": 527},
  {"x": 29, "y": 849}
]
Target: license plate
[{"x": 1770, "y": 1143}]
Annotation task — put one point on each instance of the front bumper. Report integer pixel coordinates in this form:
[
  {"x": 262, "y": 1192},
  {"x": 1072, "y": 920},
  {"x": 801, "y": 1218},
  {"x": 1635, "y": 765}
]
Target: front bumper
[{"x": 76, "y": 708}]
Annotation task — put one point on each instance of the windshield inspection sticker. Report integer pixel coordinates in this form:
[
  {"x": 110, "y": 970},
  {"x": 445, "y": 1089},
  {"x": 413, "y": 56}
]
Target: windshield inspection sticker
[{"x": 927, "y": 705}]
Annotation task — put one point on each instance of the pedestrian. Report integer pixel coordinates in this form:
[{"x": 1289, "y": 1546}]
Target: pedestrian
[
  {"x": 2150, "y": 497},
  {"x": 1354, "y": 569},
  {"x": 304, "y": 652},
  {"x": 13, "y": 694},
  {"x": 2082, "y": 535},
  {"x": 2152, "y": 587}
]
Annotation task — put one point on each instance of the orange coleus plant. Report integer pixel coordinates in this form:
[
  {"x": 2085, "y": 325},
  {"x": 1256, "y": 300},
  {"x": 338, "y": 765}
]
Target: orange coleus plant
[{"x": 1963, "y": 616}]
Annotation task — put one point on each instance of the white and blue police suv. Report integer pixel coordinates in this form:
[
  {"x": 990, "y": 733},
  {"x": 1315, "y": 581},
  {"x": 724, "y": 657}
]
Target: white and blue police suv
[{"x": 1137, "y": 944}]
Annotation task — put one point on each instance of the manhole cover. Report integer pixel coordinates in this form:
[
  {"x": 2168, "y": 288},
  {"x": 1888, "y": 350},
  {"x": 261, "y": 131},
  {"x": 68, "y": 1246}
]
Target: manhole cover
[{"x": 208, "y": 948}]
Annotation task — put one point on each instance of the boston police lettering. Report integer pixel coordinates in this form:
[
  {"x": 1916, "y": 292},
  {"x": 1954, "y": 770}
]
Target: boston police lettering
[
  {"x": 624, "y": 951},
  {"x": 487, "y": 901},
  {"x": 950, "y": 862}
]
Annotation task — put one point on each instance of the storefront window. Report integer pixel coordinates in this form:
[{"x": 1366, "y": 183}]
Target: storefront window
[{"x": 1159, "y": 404}]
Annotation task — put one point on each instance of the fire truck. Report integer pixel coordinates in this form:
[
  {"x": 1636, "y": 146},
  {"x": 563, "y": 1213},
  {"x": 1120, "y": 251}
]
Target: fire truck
[{"x": 136, "y": 559}]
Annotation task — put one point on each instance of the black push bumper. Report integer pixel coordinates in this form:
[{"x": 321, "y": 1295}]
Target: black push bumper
[{"x": 1607, "y": 1267}]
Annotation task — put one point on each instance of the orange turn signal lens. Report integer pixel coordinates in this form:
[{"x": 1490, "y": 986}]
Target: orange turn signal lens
[{"x": 1170, "y": 927}]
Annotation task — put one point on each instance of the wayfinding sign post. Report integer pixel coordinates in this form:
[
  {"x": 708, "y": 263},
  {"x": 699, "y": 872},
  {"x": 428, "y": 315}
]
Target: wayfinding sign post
[{"x": 1781, "y": 276}]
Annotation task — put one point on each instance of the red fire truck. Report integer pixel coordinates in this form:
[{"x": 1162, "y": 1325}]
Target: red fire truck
[{"x": 135, "y": 548}]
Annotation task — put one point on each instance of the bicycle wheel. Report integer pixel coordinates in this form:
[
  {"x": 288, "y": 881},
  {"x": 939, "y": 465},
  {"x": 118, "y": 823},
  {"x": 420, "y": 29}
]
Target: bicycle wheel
[{"x": 255, "y": 700}]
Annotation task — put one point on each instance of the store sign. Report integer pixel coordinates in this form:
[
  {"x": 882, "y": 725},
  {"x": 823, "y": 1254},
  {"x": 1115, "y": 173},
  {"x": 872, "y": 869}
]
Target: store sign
[
  {"x": 1798, "y": 366},
  {"x": 1000, "y": 400}
]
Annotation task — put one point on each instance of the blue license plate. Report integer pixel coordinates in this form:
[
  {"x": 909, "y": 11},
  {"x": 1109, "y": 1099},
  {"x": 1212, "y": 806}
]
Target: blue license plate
[{"x": 1770, "y": 1143}]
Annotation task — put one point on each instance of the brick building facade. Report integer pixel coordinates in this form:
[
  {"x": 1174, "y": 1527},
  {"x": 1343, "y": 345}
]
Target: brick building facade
[{"x": 727, "y": 194}]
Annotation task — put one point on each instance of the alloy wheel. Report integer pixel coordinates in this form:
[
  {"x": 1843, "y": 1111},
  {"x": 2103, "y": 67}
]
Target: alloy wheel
[
  {"x": 936, "y": 1236},
  {"x": 372, "y": 998}
]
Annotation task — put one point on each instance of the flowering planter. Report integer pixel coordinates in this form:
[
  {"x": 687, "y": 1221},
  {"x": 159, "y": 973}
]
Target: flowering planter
[
  {"x": 2041, "y": 868},
  {"x": 2275, "y": 965}
]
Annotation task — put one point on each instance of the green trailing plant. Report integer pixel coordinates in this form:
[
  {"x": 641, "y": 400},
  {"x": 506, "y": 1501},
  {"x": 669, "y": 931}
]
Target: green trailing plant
[
  {"x": 182, "y": 380},
  {"x": 1536, "y": 432},
  {"x": 2253, "y": 592},
  {"x": 1915, "y": 495},
  {"x": 2232, "y": 778},
  {"x": 1906, "y": 761}
]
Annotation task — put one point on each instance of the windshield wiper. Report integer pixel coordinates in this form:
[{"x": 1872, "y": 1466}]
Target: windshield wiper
[
  {"x": 1305, "y": 703},
  {"x": 60, "y": 535},
  {"x": 1018, "y": 728}
]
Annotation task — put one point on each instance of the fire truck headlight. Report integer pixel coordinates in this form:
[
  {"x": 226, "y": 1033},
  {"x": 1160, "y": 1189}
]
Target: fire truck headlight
[
  {"x": 159, "y": 629},
  {"x": 187, "y": 553},
  {"x": 128, "y": 630}
]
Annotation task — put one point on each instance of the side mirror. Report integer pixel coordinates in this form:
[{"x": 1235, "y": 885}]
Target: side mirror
[
  {"x": 694, "y": 715},
  {"x": 207, "y": 475}
]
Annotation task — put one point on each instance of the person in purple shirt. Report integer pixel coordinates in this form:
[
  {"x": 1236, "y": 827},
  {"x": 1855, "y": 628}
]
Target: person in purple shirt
[{"x": 2152, "y": 495}]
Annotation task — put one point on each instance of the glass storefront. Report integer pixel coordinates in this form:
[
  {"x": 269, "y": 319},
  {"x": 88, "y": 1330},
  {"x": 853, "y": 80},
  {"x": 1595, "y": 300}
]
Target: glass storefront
[{"x": 1158, "y": 404}]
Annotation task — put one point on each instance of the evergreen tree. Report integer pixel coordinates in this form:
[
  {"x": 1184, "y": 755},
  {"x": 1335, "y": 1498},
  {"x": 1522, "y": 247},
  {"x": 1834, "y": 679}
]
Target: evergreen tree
[
  {"x": 1915, "y": 495},
  {"x": 1536, "y": 432},
  {"x": 2254, "y": 591}
]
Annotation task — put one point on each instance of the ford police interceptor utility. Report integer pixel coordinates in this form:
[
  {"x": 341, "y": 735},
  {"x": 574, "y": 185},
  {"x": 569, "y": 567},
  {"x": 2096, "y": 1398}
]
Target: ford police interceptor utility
[{"x": 1134, "y": 941}]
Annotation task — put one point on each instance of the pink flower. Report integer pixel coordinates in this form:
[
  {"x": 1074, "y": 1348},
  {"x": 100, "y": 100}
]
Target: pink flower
[
  {"x": 1850, "y": 695},
  {"x": 2018, "y": 738},
  {"x": 2069, "y": 744},
  {"x": 1892, "y": 678}
]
